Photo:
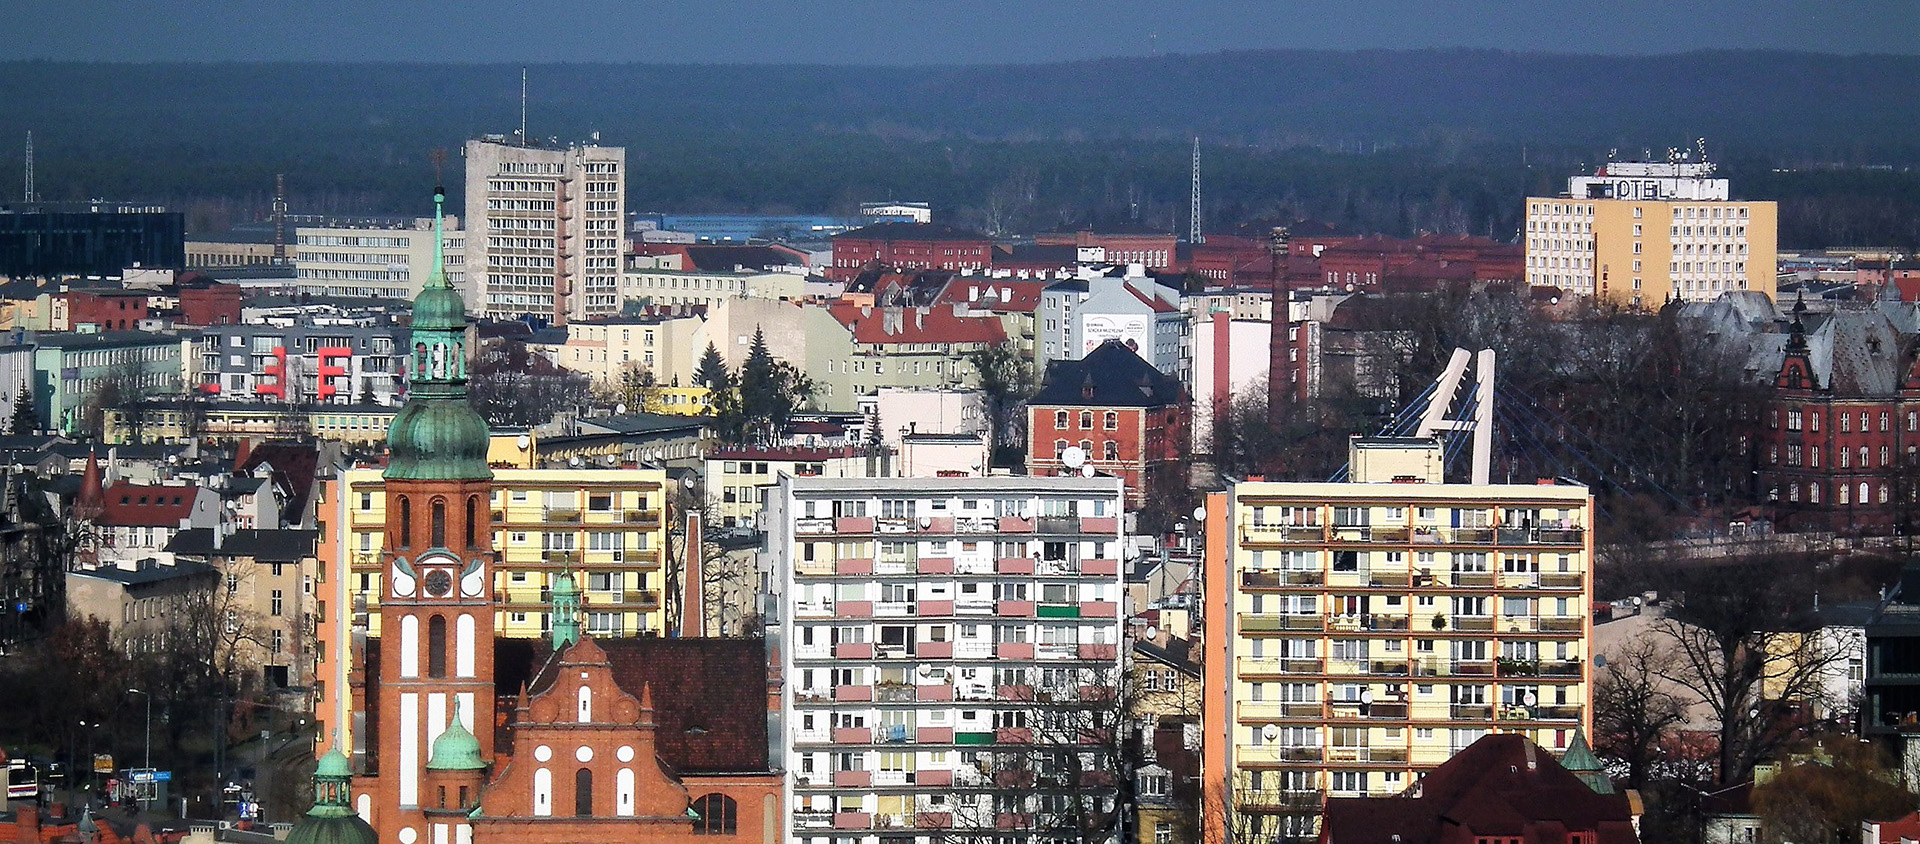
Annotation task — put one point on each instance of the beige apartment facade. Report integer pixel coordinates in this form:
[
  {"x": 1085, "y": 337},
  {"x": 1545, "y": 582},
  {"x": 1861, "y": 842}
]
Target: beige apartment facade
[
  {"x": 544, "y": 229},
  {"x": 1376, "y": 627}
]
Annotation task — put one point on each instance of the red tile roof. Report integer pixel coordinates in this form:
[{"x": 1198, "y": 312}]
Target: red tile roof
[
  {"x": 709, "y": 697},
  {"x": 876, "y": 326},
  {"x": 130, "y": 505},
  {"x": 1158, "y": 304},
  {"x": 999, "y": 295},
  {"x": 1502, "y": 786}
]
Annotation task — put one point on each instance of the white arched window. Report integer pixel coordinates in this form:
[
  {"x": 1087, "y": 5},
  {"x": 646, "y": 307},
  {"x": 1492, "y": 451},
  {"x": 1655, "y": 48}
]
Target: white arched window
[
  {"x": 542, "y": 792},
  {"x": 586, "y": 704}
]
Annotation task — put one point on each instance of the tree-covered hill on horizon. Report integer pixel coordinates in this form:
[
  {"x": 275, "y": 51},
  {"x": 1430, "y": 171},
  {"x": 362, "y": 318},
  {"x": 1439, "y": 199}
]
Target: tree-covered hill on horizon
[{"x": 1077, "y": 137}]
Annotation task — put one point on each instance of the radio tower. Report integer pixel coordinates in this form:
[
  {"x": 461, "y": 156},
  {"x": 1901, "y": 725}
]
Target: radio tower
[
  {"x": 26, "y": 192},
  {"x": 280, "y": 219},
  {"x": 1193, "y": 214}
]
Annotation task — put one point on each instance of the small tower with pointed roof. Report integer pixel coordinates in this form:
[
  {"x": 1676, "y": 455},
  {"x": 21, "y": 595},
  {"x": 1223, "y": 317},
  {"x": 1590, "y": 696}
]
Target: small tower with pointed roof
[
  {"x": 1580, "y": 761},
  {"x": 566, "y": 611}
]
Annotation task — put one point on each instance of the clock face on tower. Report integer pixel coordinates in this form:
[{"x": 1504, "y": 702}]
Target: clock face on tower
[{"x": 439, "y": 583}]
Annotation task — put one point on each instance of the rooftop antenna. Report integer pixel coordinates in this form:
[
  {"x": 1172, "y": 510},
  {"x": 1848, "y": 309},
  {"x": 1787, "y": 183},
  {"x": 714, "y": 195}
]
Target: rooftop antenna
[
  {"x": 26, "y": 193},
  {"x": 1193, "y": 214},
  {"x": 280, "y": 219},
  {"x": 523, "y": 105}
]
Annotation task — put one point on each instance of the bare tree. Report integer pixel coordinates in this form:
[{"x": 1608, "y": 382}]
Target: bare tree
[{"x": 1634, "y": 708}]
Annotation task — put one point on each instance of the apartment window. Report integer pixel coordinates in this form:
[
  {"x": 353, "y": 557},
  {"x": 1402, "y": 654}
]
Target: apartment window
[
  {"x": 277, "y": 603},
  {"x": 1060, "y": 420},
  {"x": 1086, "y": 419},
  {"x": 1112, "y": 421}
]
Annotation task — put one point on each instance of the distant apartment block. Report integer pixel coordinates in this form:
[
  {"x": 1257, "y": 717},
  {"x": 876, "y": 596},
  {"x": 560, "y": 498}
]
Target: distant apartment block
[
  {"x": 909, "y": 246},
  {"x": 385, "y": 263},
  {"x": 50, "y": 239},
  {"x": 332, "y": 364},
  {"x": 544, "y": 229},
  {"x": 1371, "y": 629},
  {"x": 942, "y": 639},
  {"x": 1639, "y": 233}
]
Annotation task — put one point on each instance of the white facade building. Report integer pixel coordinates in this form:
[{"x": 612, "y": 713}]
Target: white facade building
[
  {"x": 383, "y": 263},
  {"x": 546, "y": 228},
  {"x": 942, "y": 638}
]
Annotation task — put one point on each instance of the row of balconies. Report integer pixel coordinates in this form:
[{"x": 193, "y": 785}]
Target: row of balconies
[
  {"x": 868, "y": 567},
  {"x": 946, "y": 650},
  {"x": 952, "y": 526},
  {"x": 1441, "y": 624},
  {"x": 1003, "y": 609},
  {"x": 1257, "y": 534},
  {"x": 556, "y": 516},
  {"x": 540, "y": 599},
  {"x": 1267, "y": 666},
  {"x": 1315, "y": 580},
  {"x": 943, "y": 693}
]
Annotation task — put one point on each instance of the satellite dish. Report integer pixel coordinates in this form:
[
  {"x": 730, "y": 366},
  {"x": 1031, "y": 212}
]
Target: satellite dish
[
  {"x": 1074, "y": 457},
  {"x": 576, "y": 461},
  {"x": 620, "y": 409},
  {"x": 524, "y": 441},
  {"x": 1600, "y": 661},
  {"x": 1153, "y": 632},
  {"x": 1366, "y": 696},
  {"x": 1199, "y": 514},
  {"x": 926, "y": 522},
  {"x": 1086, "y": 471},
  {"x": 1270, "y": 732},
  {"x": 1532, "y": 699}
]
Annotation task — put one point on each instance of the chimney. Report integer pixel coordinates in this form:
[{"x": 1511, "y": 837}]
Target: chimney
[{"x": 692, "y": 605}]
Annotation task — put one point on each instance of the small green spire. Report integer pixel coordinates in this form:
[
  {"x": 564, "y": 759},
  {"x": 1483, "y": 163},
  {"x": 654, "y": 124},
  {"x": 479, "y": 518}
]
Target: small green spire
[
  {"x": 332, "y": 784},
  {"x": 566, "y": 611},
  {"x": 1581, "y": 762}
]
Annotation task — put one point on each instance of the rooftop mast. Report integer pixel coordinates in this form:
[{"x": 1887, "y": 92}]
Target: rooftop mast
[{"x": 1193, "y": 214}]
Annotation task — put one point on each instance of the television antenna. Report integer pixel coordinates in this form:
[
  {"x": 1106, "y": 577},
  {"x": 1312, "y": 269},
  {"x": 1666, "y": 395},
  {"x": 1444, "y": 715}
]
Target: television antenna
[{"x": 1193, "y": 213}]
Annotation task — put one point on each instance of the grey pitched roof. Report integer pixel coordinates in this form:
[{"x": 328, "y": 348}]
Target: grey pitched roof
[
  {"x": 150, "y": 574},
  {"x": 1109, "y": 376},
  {"x": 270, "y": 546}
]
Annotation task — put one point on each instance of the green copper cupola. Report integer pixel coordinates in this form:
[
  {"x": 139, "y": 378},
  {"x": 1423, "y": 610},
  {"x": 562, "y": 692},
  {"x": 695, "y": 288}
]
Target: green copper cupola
[{"x": 437, "y": 436}]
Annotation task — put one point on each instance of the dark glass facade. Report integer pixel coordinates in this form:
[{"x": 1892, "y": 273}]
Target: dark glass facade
[{"x": 52, "y": 243}]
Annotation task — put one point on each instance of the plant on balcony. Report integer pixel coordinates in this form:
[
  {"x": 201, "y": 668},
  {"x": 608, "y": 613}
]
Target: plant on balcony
[
  {"x": 1439, "y": 621},
  {"x": 1518, "y": 667}
]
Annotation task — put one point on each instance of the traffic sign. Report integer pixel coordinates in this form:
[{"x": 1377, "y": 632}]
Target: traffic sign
[{"x": 140, "y": 775}]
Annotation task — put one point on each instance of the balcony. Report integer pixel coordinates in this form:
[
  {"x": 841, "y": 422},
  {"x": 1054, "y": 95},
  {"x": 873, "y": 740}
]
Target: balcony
[
  {"x": 556, "y": 516},
  {"x": 1013, "y": 650},
  {"x": 809, "y": 818},
  {"x": 1098, "y": 652},
  {"x": 845, "y": 694},
  {"x": 1013, "y": 565},
  {"x": 1099, "y": 524},
  {"x": 856, "y": 609},
  {"x": 1281, "y": 579},
  {"x": 1100, "y": 609},
  {"x": 1098, "y": 567},
  {"x": 1270, "y": 534},
  {"x": 813, "y": 527},
  {"x": 1368, "y": 755},
  {"x": 1562, "y": 580},
  {"x": 934, "y": 735},
  {"x": 1014, "y": 609},
  {"x": 936, "y": 693},
  {"x": 851, "y": 735},
  {"x": 1473, "y": 578},
  {"x": 896, "y": 524},
  {"x": 641, "y": 518},
  {"x": 1274, "y": 753},
  {"x": 935, "y": 608},
  {"x": 1394, "y": 535},
  {"x": 853, "y": 524},
  {"x": 1470, "y": 712},
  {"x": 1281, "y": 623},
  {"x": 1013, "y": 735},
  {"x": 1471, "y": 536},
  {"x": 935, "y": 650},
  {"x": 1018, "y": 694},
  {"x": 1015, "y": 524},
  {"x": 1473, "y": 623},
  {"x": 852, "y": 820},
  {"x": 853, "y": 565},
  {"x": 934, "y": 565},
  {"x": 941, "y": 525},
  {"x": 975, "y": 524},
  {"x": 853, "y": 650},
  {"x": 933, "y": 820},
  {"x": 1562, "y": 624}
]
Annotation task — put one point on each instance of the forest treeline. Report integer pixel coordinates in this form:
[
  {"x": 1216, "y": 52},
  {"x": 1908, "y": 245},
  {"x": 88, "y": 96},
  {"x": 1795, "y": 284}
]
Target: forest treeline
[{"x": 1395, "y": 141}]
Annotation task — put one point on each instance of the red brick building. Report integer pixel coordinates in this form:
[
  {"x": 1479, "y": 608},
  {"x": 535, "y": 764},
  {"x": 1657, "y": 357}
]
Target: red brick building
[
  {"x": 106, "y": 310},
  {"x": 1129, "y": 419},
  {"x": 204, "y": 301},
  {"x": 1155, "y": 250},
  {"x": 909, "y": 246},
  {"x": 1426, "y": 263},
  {"x": 1839, "y": 434}
]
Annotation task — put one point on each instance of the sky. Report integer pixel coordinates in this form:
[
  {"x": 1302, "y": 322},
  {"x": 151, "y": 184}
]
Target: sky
[{"x": 917, "y": 32}]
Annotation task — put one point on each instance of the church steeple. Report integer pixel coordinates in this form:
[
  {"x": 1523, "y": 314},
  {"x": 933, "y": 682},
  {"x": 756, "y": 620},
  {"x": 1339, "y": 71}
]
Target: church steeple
[
  {"x": 566, "y": 611},
  {"x": 437, "y": 436}
]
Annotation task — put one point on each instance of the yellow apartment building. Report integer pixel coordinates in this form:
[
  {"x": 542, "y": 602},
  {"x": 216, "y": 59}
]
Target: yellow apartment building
[
  {"x": 607, "y": 527},
  {"x": 1375, "y": 627},
  {"x": 1639, "y": 233}
]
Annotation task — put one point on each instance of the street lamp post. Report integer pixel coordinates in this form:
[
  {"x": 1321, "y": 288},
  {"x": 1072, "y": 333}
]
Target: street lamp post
[{"x": 148, "y": 741}]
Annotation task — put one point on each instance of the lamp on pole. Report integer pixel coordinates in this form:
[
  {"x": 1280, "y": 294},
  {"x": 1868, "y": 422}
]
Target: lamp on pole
[{"x": 148, "y": 760}]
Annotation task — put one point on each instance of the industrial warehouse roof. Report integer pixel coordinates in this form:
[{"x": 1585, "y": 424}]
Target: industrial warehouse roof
[{"x": 910, "y": 231}]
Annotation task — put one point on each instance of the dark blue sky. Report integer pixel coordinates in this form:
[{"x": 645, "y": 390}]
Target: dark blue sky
[{"x": 917, "y": 31}]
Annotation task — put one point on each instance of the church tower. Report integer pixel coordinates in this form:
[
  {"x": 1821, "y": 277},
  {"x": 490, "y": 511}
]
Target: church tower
[{"x": 437, "y": 615}]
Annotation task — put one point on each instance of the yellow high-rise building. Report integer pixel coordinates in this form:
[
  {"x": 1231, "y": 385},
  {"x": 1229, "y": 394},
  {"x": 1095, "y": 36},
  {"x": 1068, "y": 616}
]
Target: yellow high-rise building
[
  {"x": 1639, "y": 234},
  {"x": 1373, "y": 628}
]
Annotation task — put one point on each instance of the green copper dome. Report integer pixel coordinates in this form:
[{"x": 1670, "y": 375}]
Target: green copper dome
[
  {"x": 455, "y": 749},
  {"x": 437, "y": 436},
  {"x": 332, "y": 819}
]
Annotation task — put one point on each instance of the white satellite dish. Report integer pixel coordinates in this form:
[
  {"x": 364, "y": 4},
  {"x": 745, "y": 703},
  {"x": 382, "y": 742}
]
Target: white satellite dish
[
  {"x": 1086, "y": 471},
  {"x": 1532, "y": 699},
  {"x": 620, "y": 409},
  {"x": 1366, "y": 696},
  {"x": 524, "y": 441},
  {"x": 1199, "y": 514},
  {"x": 1073, "y": 456},
  {"x": 1270, "y": 732},
  {"x": 1153, "y": 632},
  {"x": 926, "y": 522}
]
